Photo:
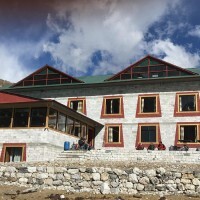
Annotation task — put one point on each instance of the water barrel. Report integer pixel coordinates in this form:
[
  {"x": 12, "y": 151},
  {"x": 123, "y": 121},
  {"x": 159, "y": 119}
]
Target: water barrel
[{"x": 66, "y": 145}]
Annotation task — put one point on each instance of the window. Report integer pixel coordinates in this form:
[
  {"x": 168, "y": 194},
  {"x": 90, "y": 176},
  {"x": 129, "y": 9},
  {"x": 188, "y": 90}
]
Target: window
[
  {"x": 5, "y": 117},
  {"x": 112, "y": 107},
  {"x": 113, "y": 136},
  {"x": 70, "y": 126},
  {"x": 13, "y": 152},
  {"x": 61, "y": 122},
  {"x": 21, "y": 116},
  {"x": 77, "y": 104},
  {"x": 187, "y": 133},
  {"x": 148, "y": 106},
  {"x": 52, "y": 118},
  {"x": 38, "y": 117},
  {"x": 186, "y": 104},
  {"x": 148, "y": 133}
]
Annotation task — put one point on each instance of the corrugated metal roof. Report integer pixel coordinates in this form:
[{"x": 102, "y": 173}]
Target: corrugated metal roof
[{"x": 94, "y": 79}]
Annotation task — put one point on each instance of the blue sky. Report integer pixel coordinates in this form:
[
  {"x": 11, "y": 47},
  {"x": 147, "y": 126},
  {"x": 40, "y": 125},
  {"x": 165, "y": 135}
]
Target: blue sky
[{"x": 90, "y": 37}]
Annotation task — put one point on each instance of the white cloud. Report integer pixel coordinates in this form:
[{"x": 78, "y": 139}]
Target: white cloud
[
  {"x": 11, "y": 68},
  {"x": 116, "y": 27},
  {"x": 174, "y": 54},
  {"x": 195, "y": 31}
]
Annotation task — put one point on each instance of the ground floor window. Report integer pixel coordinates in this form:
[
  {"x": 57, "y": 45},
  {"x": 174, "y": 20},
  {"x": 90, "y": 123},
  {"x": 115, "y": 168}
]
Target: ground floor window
[
  {"x": 148, "y": 133},
  {"x": 13, "y": 152},
  {"x": 113, "y": 135},
  {"x": 187, "y": 133}
]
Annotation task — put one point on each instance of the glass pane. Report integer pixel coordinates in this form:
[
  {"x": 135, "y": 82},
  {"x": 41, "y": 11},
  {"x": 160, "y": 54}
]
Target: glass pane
[
  {"x": 52, "y": 118},
  {"x": 77, "y": 129},
  {"x": 148, "y": 134},
  {"x": 125, "y": 76},
  {"x": 61, "y": 122},
  {"x": 21, "y": 117},
  {"x": 40, "y": 82},
  {"x": 38, "y": 117},
  {"x": 83, "y": 130},
  {"x": 39, "y": 77},
  {"x": 52, "y": 76},
  {"x": 5, "y": 117},
  {"x": 115, "y": 134},
  {"x": 188, "y": 102},
  {"x": 112, "y": 106},
  {"x": 149, "y": 104},
  {"x": 65, "y": 80},
  {"x": 70, "y": 126},
  {"x": 190, "y": 133},
  {"x": 52, "y": 82}
]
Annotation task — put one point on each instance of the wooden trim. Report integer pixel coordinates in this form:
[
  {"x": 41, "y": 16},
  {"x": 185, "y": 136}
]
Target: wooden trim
[
  {"x": 5, "y": 145},
  {"x": 177, "y": 135},
  {"x": 139, "y": 114},
  {"x": 121, "y": 137},
  {"x": 138, "y": 137},
  {"x": 78, "y": 99},
  {"x": 178, "y": 113},
  {"x": 121, "y": 108}
]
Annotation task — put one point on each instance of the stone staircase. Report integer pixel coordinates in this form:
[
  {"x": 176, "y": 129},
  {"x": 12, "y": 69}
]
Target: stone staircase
[
  {"x": 72, "y": 155},
  {"x": 132, "y": 155}
]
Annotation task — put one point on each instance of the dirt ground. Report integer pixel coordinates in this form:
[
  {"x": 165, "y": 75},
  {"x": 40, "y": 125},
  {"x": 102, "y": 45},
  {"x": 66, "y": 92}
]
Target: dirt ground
[{"x": 53, "y": 195}]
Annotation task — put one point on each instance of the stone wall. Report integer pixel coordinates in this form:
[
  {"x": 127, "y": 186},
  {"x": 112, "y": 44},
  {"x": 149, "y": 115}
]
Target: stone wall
[{"x": 102, "y": 180}]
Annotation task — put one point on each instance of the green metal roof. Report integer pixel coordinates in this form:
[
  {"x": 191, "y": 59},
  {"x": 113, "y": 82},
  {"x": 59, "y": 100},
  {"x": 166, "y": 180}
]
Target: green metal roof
[
  {"x": 195, "y": 70},
  {"x": 94, "y": 79}
]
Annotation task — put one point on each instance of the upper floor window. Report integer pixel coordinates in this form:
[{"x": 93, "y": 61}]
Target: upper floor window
[
  {"x": 112, "y": 107},
  {"x": 77, "y": 104},
  {"x": 113, "y": 135},
  {"x": 186, "y": 104},
  {"x": 148, "y": 106}
]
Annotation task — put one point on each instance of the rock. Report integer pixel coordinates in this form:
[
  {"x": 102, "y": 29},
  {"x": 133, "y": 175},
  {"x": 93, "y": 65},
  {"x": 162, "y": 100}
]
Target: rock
[
  {"x": 118, "y": 172},
  {"x": 160, "y": 187},
  {"x": 60, "y": 170},
  {"x": 189, "y": 187},
  {"x": 149, "y": 187},
  {"x": 114, "y": 184},
  {"x": 96, "y": 176},
  {"x": 29, "y": 190},
  {"x": 154, "y": 180},
  {"x": 178, "y": 175},
  {"x": 138, "y": 196},
  {"x": 104, "y": 176},
  {"x": 129, "y": 185},
  {"x": 50, "y": 170},
  {"x": 133, "y": 178},
  {"x": 161, "y": 170},
  {"x": 23, "y": 180},
  {"x": 144, "y": 180},
  {"x": 113, "y": 176},
  {"x": 140, "y": 187},
  {"x": 10, "y": 169},
  {"x": 10, "y": 192},
  {"x": 137, "y": 171},
  {"x": 57, "y": 183},
  {"x": 129, "y": 171},
  {"x": 73, "y": 171},
  {"x": 105, "y": 189},
  {"x": 84, "y": 184},
  {"x": 97, "y": 182},
  {"x": 42, "y": 176},
  {"x": 48, "y": 181},
  {"x": 22, "y": 170},
  {"x": 150, "y": 172},
  {"x": 196, "y": 174},
  {"x": 195, "y": 181},
  {"x": 185, "y": 181}
]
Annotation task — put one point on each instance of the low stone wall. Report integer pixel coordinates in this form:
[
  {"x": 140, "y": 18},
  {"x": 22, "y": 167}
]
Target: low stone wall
[{"x": 102, "y": 180}]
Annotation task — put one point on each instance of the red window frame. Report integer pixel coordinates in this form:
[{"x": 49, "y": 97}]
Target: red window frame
[
  {"x": 78, "y": 99},
  {"x": 121, "y": 137},
  {"x": 121, "y": 108},
  {"x": 140, "y": 114},
  {"x": 177, "y": 136},
  {"x": 146, "y": 144},
  {"x": 178, "y": 113}
]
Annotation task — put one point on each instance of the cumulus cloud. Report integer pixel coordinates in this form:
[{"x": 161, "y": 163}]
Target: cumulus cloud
[
  {"x": 175, "y": 54},
  {"x": 11, "y": 68},
  {"x": 114, "y": 27}
]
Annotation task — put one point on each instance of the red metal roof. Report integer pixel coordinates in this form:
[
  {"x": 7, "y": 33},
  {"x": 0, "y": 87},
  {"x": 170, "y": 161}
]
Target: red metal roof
[{"x": 14, "y": 98}]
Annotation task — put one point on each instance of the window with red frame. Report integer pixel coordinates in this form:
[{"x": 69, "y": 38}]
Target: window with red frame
[
  {"x": 77, "y": 105},
  {"x": 186, "y": 104},
  {"x": 112, "y": 107},
  {"x": 148, "y": 106},
  {"x": 113, "y": 135}
]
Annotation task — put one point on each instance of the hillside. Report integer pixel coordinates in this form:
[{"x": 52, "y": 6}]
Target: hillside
[{"x": 4, "y": 83}]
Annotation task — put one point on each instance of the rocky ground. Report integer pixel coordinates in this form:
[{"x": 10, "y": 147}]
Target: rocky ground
[
  {"x": 13, "y": 192},
  {"x": 17, "y": 193}
]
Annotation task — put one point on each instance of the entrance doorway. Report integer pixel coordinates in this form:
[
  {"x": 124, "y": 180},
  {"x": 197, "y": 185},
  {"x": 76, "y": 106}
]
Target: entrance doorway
[{"x": 91, "y": 135}]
